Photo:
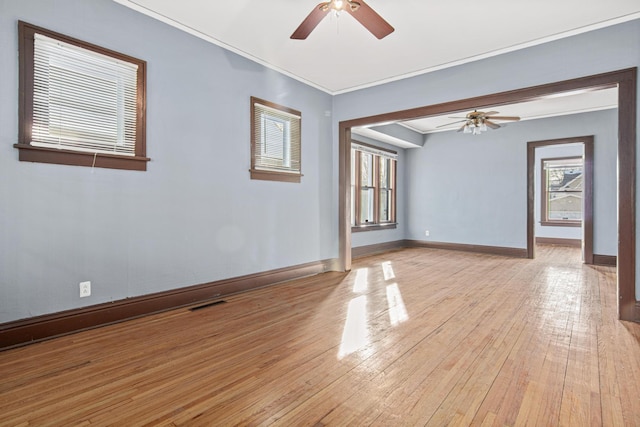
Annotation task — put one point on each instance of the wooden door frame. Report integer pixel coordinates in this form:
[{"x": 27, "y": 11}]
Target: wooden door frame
[
  {"x": 587, "y": 192},
  {"x": 625, "y": 80}
]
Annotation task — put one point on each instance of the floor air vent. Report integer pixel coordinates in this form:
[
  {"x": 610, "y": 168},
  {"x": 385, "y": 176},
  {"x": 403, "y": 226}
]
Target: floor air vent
[{"x": 210, "y": 304}]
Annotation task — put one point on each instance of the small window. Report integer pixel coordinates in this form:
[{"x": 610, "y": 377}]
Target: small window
[
  {"x": 562, "y": 185},
  {"x": 275, "y": 142},
  {"x": 80, "y": 104},
  {"x": 373, "y": 187}
]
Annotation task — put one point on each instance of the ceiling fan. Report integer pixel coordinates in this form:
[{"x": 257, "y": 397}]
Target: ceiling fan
[
  {"x": 361, "y": 11},
  {"x": 477, "y": 122}
]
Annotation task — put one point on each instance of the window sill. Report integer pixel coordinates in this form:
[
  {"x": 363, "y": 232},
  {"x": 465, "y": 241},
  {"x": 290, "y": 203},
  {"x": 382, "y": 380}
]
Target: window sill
[
  {"x": 29, "y": 153},
  {"x": 373, "y": 227},
  {"x": 275, "y": 176},
  {"x": 561, "y": 223}
]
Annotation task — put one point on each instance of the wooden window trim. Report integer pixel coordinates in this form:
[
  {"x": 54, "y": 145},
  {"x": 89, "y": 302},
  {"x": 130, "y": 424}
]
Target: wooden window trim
[
  {"x": 265, "y": 174},
  {"x": 30, "y": 153},
  {"x": 376, "y": 224},
  {"x": 544, "y": 221}
]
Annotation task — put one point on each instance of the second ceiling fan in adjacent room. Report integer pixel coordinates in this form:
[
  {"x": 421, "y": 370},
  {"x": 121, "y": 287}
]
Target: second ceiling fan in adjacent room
[{"x": 477, "y": 122}]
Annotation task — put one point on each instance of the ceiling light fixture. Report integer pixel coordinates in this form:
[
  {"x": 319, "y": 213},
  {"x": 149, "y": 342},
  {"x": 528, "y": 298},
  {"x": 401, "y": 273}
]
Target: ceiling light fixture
[
  {"x": 339, "y": 5},
  {"x": 475, "y": 126}
]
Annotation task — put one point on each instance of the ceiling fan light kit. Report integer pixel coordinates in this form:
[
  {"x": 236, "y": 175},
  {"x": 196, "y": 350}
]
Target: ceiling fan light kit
[
  {"x": 361, "y": 11},
  {"x": 474, "y": 128},
  {"x": 339, "y": 5}
]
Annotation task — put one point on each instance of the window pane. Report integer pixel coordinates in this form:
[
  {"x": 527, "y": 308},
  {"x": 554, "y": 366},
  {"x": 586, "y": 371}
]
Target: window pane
[
  {"x": 366, "y": 170},
  {"x": 564, "y": 189},
  {"x": 565, "y": 206},
  {"x": 366, "y": 205},
  {"x": 385, "y": 171},
  {"x": 385, "y": 205}
]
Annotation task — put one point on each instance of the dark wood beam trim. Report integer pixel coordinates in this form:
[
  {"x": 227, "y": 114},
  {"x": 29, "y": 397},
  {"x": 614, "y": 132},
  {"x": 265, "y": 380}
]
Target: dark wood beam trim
[
  {"x": 559, "y": 241},
  {"x": 489, "y": 250},
  {"x": 344, "y": 196},
  {"x": 627, "y": 119},
  {"x": 624, "y": 80},
  {"x": 608, "y": 260},
  {"x": 363, "y": 251},
  {"x": 39, "y": 328}
]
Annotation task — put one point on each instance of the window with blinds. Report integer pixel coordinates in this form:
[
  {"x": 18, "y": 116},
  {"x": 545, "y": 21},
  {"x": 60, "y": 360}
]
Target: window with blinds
[
  {"x": 275, "y": 142},
  {"x": 82, "y": 104},
  {"x": 82, "y": 100}
]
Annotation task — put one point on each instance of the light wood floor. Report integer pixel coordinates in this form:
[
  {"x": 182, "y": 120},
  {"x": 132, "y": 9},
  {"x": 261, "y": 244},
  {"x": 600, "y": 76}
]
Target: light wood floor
[{"x": 446, "y": 338}]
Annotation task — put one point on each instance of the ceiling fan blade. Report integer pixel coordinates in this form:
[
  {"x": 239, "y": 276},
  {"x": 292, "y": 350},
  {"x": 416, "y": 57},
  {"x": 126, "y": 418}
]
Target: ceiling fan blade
[
  {"x": 310, "y": 22},
  {"x": 503, "y": 117},
  {"x": 491, "y": 124},
  {"x": 490, "y": 113},
  {"x": 452, "y": 123},
  {"x": 370, "y": 19}
]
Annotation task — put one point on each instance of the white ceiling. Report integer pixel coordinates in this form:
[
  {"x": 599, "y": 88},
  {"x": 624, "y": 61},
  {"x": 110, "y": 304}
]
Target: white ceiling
[
  {"x": 556, "y": 105},
  {"x": 559, "y": 104},
  {"x": 340, "y": 55}
]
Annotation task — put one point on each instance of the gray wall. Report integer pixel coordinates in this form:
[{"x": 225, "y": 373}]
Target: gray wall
[
  {"x": 473, "y": 188},
  {"x": 608, "y": 49},
  {"x": 194, "y": 216}
]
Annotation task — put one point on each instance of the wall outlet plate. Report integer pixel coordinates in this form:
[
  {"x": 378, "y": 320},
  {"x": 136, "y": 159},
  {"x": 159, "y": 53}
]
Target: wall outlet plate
[
  {"x": 85, "y": 289},
  {"x": 426, "y": 233}
]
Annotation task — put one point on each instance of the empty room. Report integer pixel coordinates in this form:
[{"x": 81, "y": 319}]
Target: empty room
[{"x": 337, "y": 213}]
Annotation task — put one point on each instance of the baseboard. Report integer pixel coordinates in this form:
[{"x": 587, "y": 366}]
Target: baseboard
[
  {"x": 610, "y": 260},
  {"x": 490, "y": 250},
  {"x": 559, "y": 241},
  {"x": 362, "y": 251},
  {"x": 39, "y": 328}
]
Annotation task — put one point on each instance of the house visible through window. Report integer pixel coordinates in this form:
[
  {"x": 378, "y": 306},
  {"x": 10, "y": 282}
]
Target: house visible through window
[
  {"x": 80, "y": 104},
  {"x": 275, "y": 142},
  {"x": 373, "y": 187},
  {"x": 562, "y": 184}
]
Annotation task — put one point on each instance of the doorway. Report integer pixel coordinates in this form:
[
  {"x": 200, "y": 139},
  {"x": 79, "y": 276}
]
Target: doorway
[
  {"x": 626, "y": 82},
  {"x": 587, "y": 192}
]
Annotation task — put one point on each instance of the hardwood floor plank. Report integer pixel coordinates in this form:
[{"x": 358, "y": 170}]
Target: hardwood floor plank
[{"x": 412, "y": 337}]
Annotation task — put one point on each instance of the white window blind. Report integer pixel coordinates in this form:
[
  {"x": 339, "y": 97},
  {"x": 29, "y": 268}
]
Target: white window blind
[
  {"x": 277, "y": 139},
  {"x": 83, "y": 100}
]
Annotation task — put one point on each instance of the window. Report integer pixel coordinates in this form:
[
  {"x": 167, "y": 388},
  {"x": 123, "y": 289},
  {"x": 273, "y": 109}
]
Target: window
[
  {"x": 562, "y": 191},
  {"x": 275, "y": 142},
  {"x": 373, "y": 187},
  {"x": 80, "y": 104}
]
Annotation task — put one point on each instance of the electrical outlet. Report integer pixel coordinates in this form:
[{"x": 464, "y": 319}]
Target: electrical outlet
[
  {"x": 426, "y": 233},
  {"x": 85, "y": 289}
]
